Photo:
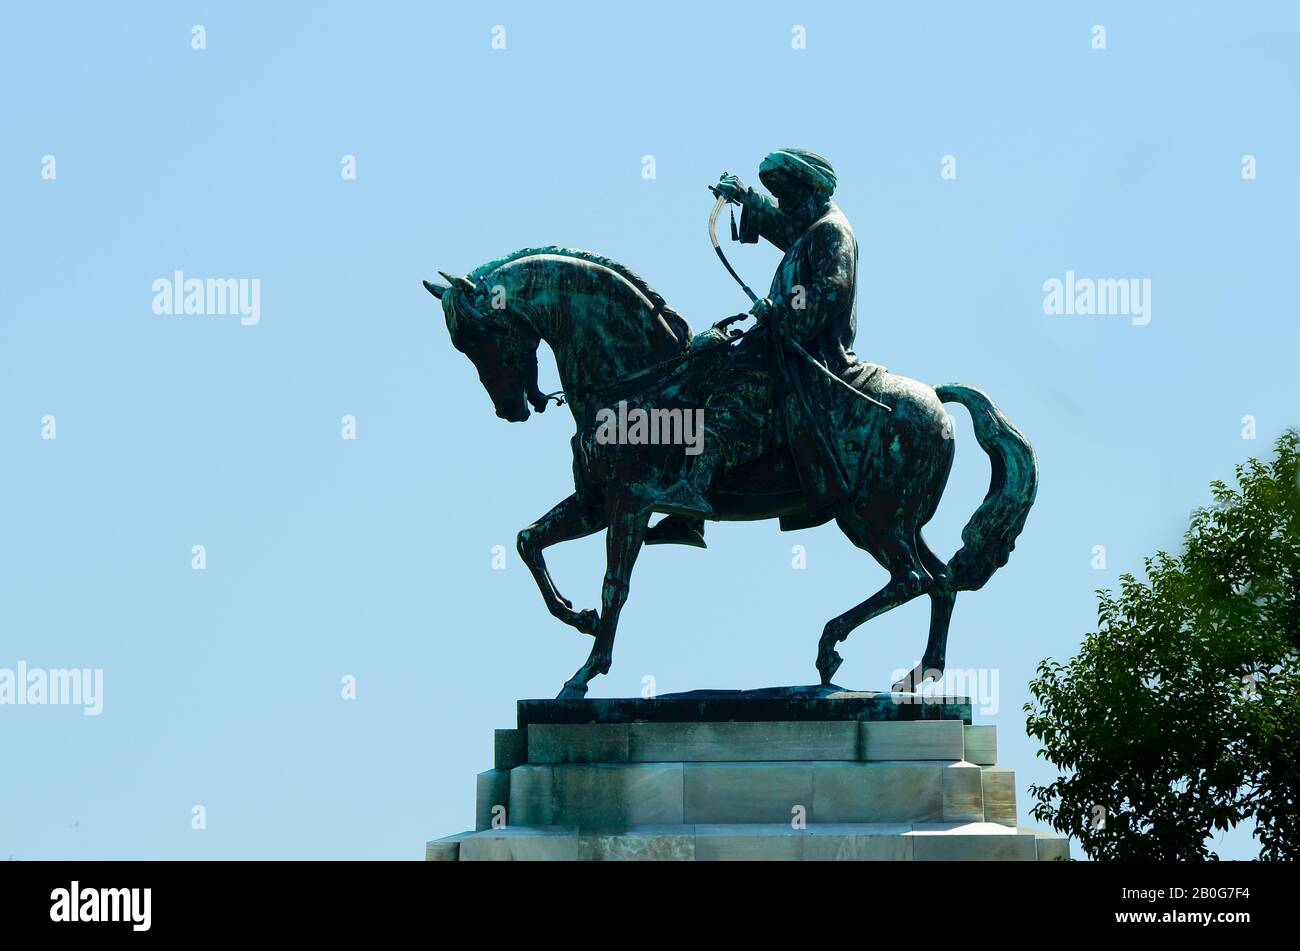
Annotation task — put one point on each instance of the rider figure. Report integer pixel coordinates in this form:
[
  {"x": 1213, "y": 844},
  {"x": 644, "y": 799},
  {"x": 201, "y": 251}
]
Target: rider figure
[{"x": 811, "y": 302}]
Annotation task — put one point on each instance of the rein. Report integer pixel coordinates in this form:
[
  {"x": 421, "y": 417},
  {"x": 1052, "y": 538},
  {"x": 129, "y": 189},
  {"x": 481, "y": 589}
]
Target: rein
[
  {"x": 560, "y": 395},
  {"x": 686, "y": 355}
]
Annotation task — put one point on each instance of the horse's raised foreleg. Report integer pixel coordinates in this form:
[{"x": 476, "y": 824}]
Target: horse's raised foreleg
[
  {"x": 566, "y": 522},
  {"x": 623, "y": 541}
]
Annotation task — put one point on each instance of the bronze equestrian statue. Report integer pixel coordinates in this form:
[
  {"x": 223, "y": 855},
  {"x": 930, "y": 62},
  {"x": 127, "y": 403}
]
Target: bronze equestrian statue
[{"x": 796, "y": 427}]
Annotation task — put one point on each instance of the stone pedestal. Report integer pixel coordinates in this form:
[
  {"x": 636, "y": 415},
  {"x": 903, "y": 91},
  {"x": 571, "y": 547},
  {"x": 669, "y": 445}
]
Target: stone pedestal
[{"x": 806, "y": 773}]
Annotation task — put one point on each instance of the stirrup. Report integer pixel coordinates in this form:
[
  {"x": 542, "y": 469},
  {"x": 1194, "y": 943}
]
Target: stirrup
[
  {"x": 677, "y": 530},
  {"x": 683, "y": 499}
]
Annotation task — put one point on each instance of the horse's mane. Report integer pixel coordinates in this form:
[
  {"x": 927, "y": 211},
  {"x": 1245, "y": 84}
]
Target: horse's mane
[{"x": 675, "y": 320}]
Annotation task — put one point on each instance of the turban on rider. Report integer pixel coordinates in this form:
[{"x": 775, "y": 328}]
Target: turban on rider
[{"x": 808, "y": 167}]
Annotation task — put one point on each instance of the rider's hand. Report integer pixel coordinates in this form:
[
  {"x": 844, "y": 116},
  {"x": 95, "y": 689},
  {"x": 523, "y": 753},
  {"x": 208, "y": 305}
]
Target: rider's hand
[
  {"x": 761, "y": 309},
  {"x": 731, "y": 188},
  {"x": 706, "y": 339},
  {"x": 723, "y": 326}
]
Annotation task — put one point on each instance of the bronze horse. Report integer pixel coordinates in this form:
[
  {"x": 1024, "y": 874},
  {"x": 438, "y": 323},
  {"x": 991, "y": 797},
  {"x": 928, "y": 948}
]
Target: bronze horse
[{"x": 614, "y": 338}]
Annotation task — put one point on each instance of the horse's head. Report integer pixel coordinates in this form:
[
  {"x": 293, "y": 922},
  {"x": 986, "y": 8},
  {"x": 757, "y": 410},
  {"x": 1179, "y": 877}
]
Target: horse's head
[
  {"x": 502, "y": 346},
  {"x": 601, "y": 320}
]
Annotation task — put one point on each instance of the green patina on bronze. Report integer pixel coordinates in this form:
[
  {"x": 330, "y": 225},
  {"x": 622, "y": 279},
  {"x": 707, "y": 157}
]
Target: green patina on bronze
[
  {"x": 796, "y": 426},
  {"x": 783, "y": 704}
]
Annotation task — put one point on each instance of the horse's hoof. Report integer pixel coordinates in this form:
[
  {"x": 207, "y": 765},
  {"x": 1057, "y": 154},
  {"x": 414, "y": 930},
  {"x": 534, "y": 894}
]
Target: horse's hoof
[
  {"x": 908, "y": 684},
  {"x": 828, "y": 664},
  {"x": 587, "y": 622},
  {"x": 572, "y": 692},
  {"x": 918, "y": 678}
]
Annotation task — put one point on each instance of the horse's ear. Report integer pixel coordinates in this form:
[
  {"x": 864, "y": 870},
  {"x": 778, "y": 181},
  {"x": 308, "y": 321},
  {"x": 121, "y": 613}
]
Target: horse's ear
[
  {"x": 437, "y": 290},
  {"x": 462, "y": 284}
]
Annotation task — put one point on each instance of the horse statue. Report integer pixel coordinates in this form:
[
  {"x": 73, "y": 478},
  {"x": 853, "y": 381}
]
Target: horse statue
[{"x": 615, "y": 339}]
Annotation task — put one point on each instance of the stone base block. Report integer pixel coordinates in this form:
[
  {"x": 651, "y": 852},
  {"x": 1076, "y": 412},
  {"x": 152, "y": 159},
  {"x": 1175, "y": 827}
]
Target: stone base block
[
  {"x": 749, "y": 741},
  {"x": 626, "y": 795},
  {"x": 792, "y": 773},
  {"x": 771, "y": 842}
]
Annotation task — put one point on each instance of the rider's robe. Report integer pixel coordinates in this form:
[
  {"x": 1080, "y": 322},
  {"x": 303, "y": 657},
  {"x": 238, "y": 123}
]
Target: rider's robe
[{"x": 814, "y": 304}]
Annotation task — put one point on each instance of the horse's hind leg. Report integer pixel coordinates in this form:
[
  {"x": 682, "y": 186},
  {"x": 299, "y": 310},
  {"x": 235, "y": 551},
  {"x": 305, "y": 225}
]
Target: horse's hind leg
[
  {"x": 908, "y": 578},
  {"x": 942, "y": 599},
  {"x": 565, "y": 522}
]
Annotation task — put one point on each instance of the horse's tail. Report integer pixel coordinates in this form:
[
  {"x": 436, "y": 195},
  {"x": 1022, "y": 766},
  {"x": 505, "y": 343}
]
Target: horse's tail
[{"x": 990, "y": 535}]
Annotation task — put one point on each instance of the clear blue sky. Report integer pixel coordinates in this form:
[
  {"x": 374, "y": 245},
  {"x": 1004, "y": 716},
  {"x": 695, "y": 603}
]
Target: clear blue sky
[{"x": 372, "y": 557}]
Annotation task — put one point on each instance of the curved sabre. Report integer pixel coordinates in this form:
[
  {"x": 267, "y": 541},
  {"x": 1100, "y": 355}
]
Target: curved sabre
[{"x": 713, "y": 236}]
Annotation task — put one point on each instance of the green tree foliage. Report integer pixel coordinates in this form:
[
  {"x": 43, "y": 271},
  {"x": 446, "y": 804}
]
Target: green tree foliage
[{"x": 1180, "y": 715}]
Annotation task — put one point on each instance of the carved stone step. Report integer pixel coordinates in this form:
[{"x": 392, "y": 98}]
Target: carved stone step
[
  {"x": 774, "y": 842},
  {"x": 635, "y": 794},
  {"x": 745, "y": 741}
]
